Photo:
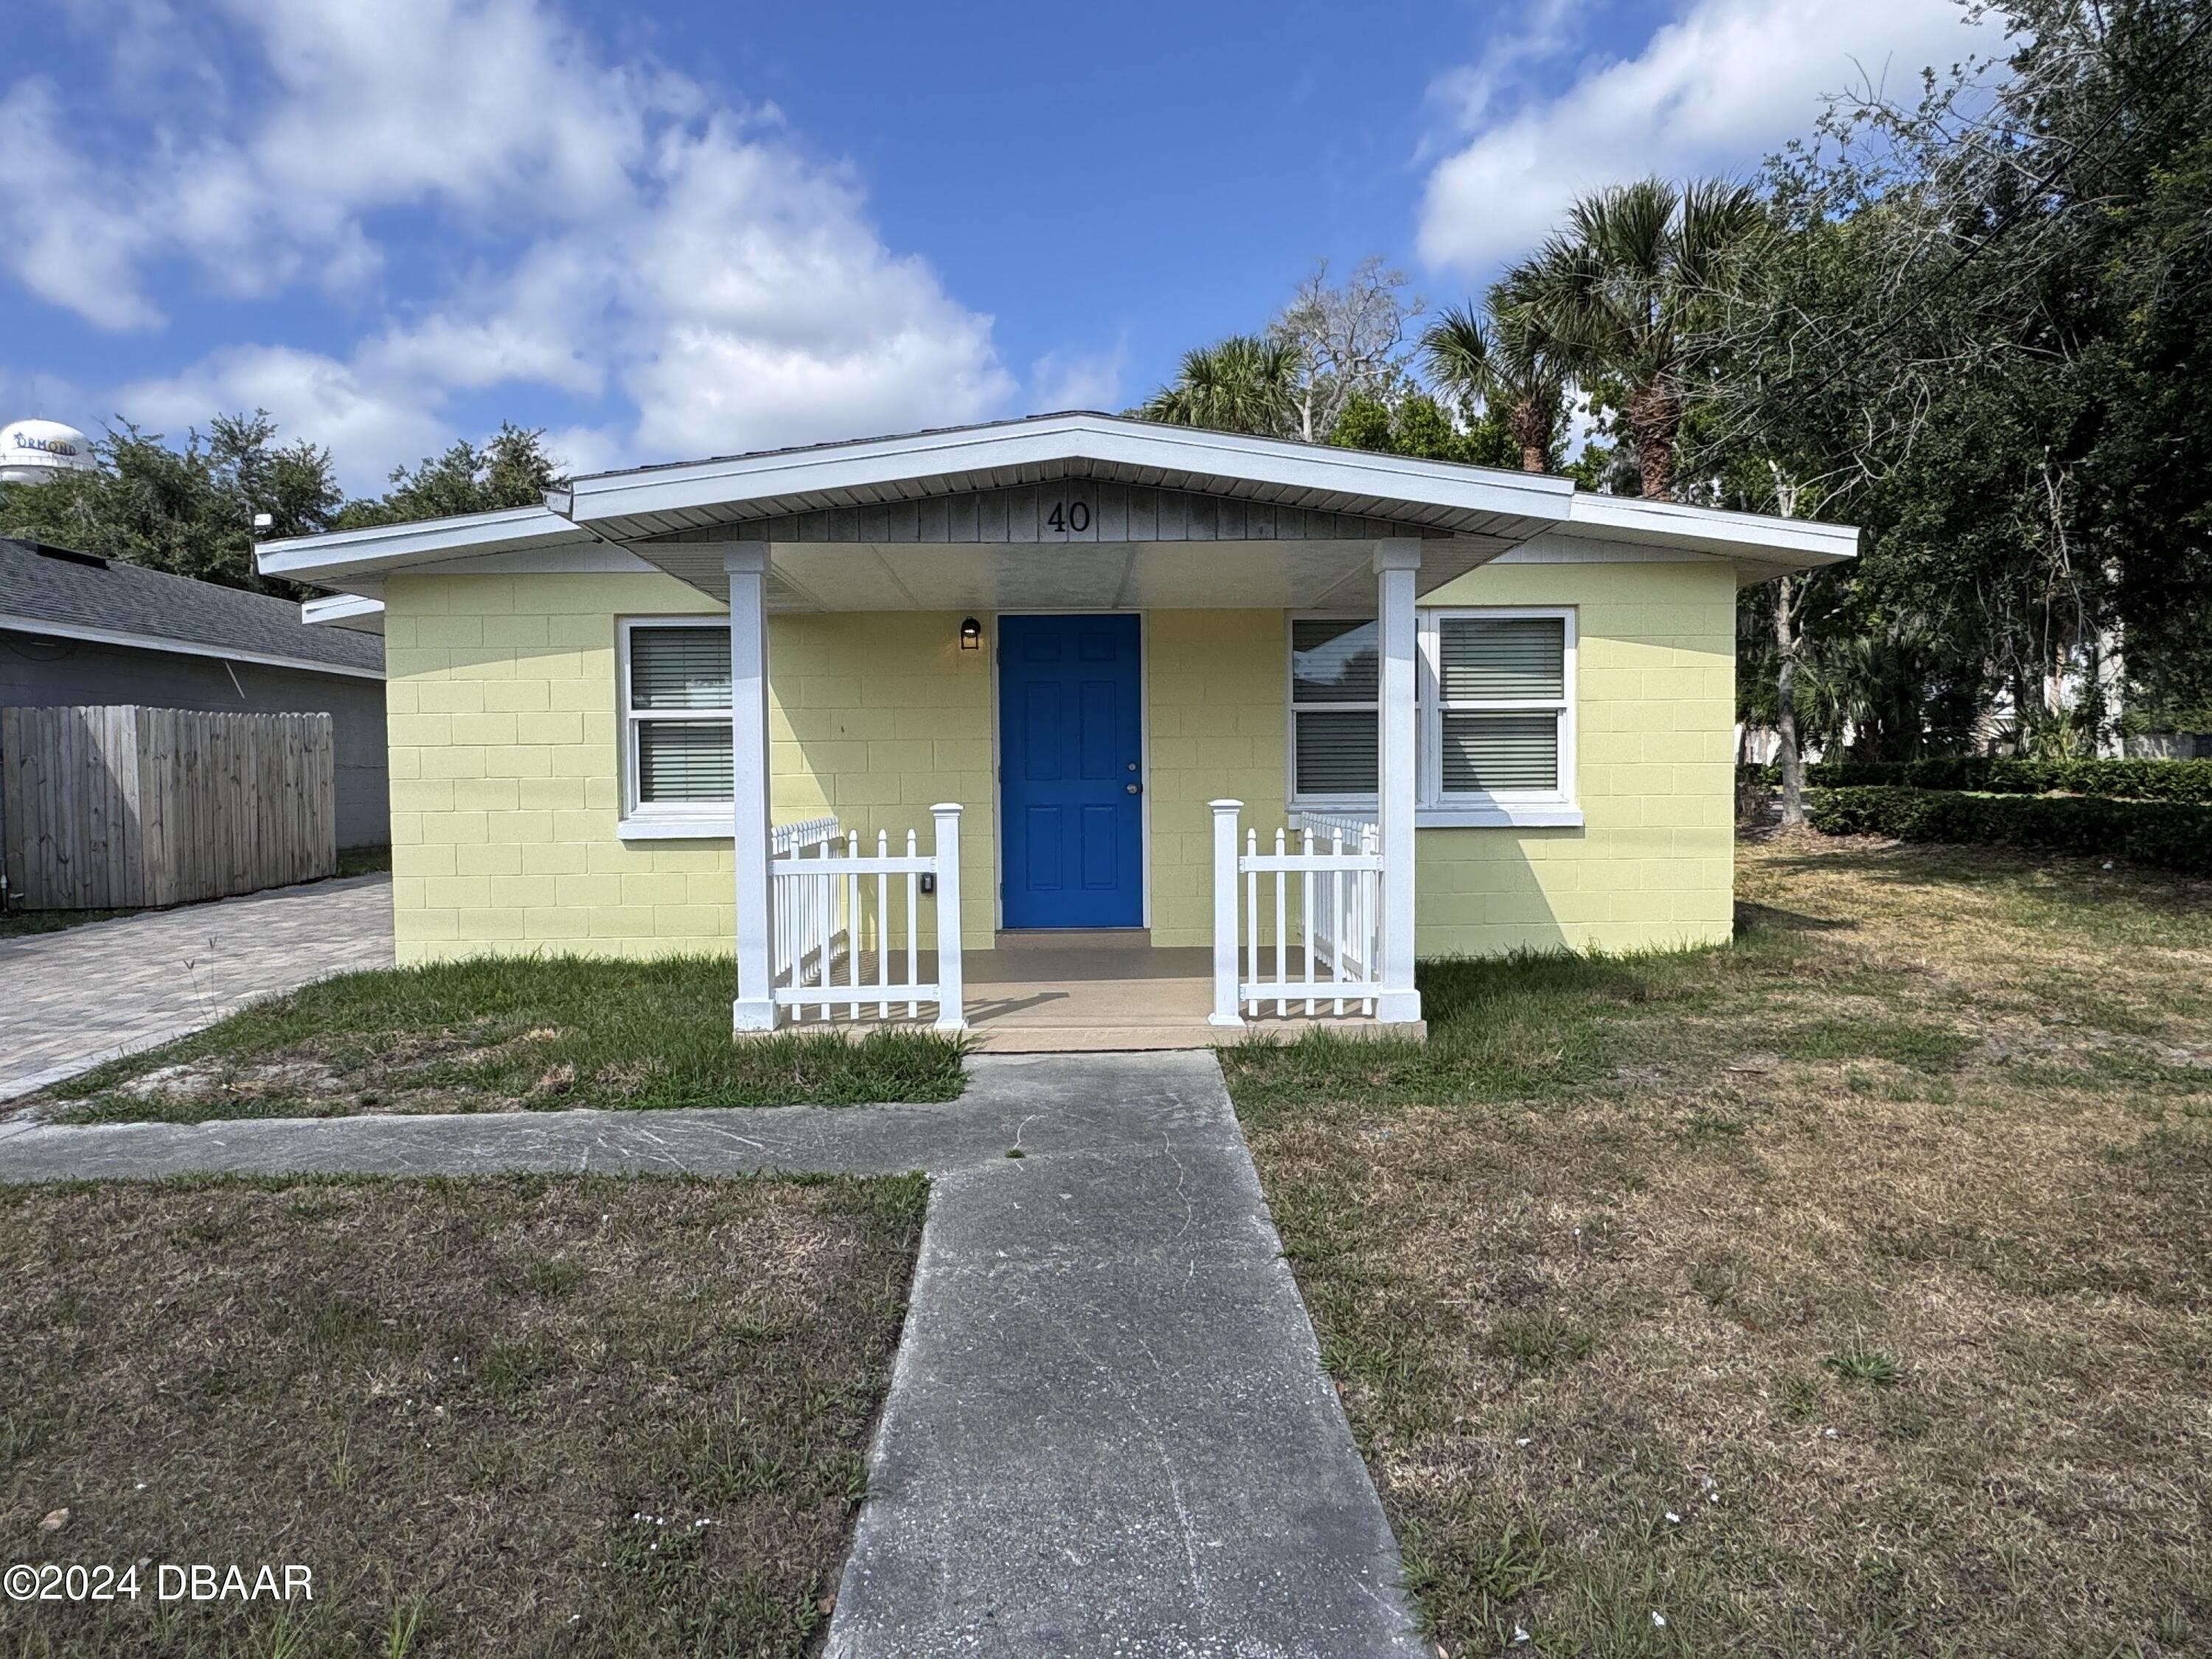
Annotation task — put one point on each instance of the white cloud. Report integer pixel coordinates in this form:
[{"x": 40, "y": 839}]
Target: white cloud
[
  {"x": 64, "y": 237},
  {"x": 1714, "y": 91},
  {"x": 492, "y": 104},
  {"x": 767, "y": 312},
  {"x": 591, "y": 228},
  {"x": 1068, "y": 378},
  {"x": 368, "y": 427}
]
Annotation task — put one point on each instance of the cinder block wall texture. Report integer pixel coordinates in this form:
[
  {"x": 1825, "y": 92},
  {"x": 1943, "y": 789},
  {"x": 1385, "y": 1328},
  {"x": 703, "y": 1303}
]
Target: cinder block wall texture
[{"x": 504, "y": 716}]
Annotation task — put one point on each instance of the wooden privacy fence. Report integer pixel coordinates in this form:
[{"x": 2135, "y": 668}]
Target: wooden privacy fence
[{"x": 115, "y": 808}]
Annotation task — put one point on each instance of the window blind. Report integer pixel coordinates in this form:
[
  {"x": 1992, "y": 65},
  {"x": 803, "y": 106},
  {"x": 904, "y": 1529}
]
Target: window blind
[
  {"x": 1336, "y": 751},
  {"x": 1333, "y": 661},
  {"x": 1493, "y": 659},
  {"x": 1491, "y": 752},
  {"x": 672, "y": 668},
  {"x": 683, "y": 760}
]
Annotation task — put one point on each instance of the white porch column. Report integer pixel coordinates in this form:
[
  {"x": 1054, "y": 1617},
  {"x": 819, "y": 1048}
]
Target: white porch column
[
  {"x": 951, "y": 982},
  {"x": 1228, "y": 1008},
  {"x": 1396, "y": 559},
  {"x": 755, "y": 1007}
]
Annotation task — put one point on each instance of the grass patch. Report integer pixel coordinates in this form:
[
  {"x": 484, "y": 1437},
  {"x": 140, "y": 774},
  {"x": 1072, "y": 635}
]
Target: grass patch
[
  {"x": 364, "y": 860},
  {"x": 27, "y": 924},
  {"x": 1700, "y": 1301},
  {"x": 660, "y": 1456},
  {"x": 1920, "y": 1045},
  {"x": 497, "y": 1034},
  {"x": 1503, "y": 1027}
]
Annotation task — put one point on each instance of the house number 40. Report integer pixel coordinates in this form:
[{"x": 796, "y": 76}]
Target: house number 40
[{"x": 1067, "y": 516}]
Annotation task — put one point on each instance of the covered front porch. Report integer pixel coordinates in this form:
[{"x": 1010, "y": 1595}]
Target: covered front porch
[{"x": 1175, "y": 918}]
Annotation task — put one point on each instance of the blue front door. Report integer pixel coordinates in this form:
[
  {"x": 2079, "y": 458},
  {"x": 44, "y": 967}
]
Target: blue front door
[{"x": 1070, "y": 772}]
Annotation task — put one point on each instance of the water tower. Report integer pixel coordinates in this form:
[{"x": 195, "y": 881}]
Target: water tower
[{"x": 36, "y": 452}]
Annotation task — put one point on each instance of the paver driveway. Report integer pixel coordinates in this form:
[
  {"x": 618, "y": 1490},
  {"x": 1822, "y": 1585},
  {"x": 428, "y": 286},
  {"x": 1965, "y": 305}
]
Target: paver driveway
[{"x": 70, "y": 999}]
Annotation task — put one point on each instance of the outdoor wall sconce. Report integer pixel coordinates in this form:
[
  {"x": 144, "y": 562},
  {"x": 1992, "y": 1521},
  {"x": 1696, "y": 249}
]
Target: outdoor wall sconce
[{"x": 971, "y": 634}]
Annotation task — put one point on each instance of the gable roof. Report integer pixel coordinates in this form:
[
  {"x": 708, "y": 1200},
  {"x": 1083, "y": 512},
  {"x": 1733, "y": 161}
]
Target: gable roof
[
  {"x": 70, "y": 595},
  {"x": 600, "y": 514}
]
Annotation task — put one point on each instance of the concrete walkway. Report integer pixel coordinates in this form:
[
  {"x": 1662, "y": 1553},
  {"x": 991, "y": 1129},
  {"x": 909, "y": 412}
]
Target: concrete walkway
[
  {"x": 71, "y": 1000},
  {"x": 1108, "y": 1432}
]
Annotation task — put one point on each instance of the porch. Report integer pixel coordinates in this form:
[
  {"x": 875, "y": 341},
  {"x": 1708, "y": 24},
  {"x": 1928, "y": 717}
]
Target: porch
[
  {"x": 1298, "y": 947},
  {"x": 1026, "y": 999},
  {"x": 1060, "y": 591}
]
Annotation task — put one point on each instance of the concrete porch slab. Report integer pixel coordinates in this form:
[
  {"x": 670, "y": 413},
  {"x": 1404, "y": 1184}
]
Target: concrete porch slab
[{"x": 1040, "y": 998}]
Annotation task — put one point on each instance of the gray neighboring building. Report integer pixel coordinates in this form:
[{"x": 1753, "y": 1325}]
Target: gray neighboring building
[{"x": 76, "y": 628}]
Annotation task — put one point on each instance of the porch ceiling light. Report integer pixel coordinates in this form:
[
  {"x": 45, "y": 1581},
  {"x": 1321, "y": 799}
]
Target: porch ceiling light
[{"x": 971, "y": 634}]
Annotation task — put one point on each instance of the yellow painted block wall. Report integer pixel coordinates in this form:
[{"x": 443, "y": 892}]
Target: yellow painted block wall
[
  {"x": 876, "y": 716},
  {"x": 504, "y": 715},
  {"x": 1217, "y": 731},
  {"x": 1653, "y": 864}
]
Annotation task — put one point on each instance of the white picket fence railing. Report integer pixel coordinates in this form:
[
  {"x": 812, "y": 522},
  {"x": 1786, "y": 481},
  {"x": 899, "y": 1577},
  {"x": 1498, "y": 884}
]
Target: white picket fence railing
[
  {"x": 837, "y": 906},
  {"x": 1322, "y": 886},
  {"x": 802, "y": 934}
]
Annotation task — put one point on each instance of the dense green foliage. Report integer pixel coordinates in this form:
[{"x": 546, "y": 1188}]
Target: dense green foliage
[
  {"x": 1973, "y": 323},
  {"x": 192, "y": 510},
  {"x": 2188, "y": 781},
  {"x": 1981, "y": 336},
  {"x": 2167, "y": 835},
  {"x": 511, "y": 469}
]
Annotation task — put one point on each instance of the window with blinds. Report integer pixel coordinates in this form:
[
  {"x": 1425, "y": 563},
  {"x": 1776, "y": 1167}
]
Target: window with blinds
[
  {"x": 1495, "y": 716},
  {"x": 1335, "y": 672},
  {"x": 677, "y": 708},
  {"x": 1501, "y": 704}
]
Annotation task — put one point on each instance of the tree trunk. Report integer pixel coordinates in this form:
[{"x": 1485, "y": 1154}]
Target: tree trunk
[
  {"x": 1785, "y": 703},
  {"x": 1655, "y": 415},
  {"x": 1531, "y": 430}
]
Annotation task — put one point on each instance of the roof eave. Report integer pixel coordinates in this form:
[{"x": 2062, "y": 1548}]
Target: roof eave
[
  {"x": 339, "y": 554},
  {"x": 1762, "y": 547}
]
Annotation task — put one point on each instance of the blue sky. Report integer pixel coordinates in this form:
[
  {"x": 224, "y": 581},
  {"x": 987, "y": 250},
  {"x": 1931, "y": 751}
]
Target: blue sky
[{"x": 696, "y": 228}]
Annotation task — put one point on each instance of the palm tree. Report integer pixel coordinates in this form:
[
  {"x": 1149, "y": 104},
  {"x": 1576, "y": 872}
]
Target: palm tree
[
  {"x": 1510, "y": 365},
  {"x": 1633, "y": 290},
  {"x": 1246, "y": 383}
]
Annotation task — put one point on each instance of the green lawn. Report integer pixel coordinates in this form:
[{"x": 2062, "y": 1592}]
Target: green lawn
[
  {"x": 499, "y": 1033},
  {"x": 578, "y": 1416},
  {"x": 1840, "y": 1290}
]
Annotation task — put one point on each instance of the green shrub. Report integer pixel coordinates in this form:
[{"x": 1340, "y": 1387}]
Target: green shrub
[
  {"x": 2165, "y": 833},
  {"x": 2183, "y": 780}
]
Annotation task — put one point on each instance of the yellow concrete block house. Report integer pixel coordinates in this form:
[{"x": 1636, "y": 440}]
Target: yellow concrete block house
[{"x": 1071, "y": 730}]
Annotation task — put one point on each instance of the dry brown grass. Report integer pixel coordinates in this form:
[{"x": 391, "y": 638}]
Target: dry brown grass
[
  {"x": 490, "y": 1415},
  {"x": 1844, "y": 1291}
]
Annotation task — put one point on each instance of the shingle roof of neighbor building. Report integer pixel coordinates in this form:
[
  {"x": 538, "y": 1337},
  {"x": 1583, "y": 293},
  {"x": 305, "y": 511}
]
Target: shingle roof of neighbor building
[{"x": 84, "y": 595}]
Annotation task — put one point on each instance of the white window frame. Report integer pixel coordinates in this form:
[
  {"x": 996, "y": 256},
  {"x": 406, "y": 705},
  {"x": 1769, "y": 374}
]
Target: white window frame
[
  {"x": 1435, "y": 808},
  {"x": 663, "y": 820}
]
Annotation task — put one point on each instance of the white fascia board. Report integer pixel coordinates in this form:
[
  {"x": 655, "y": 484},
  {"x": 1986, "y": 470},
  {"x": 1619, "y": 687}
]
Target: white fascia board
[
  {"x": 1788, "y": 543},
  {"x": 762, "y": 480},
  {"x": 54, "y": 630},
  {"x": 343, "y": 553},
  {"x": 328, "y": 610}
]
